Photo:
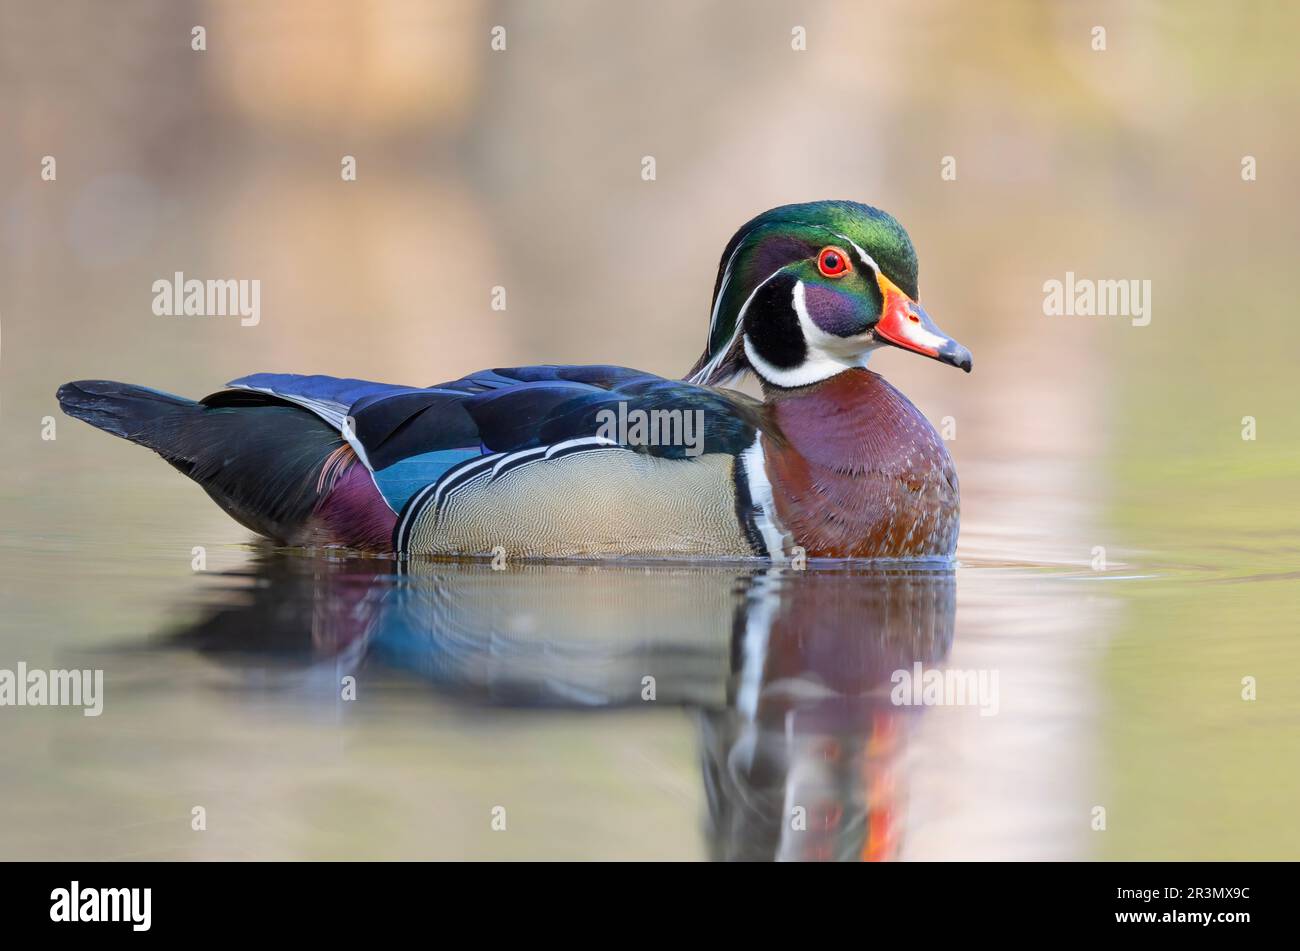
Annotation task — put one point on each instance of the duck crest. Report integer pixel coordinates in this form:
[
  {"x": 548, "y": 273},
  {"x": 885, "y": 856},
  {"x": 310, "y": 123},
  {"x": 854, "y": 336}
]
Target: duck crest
[{"x": 860, "y": 472}]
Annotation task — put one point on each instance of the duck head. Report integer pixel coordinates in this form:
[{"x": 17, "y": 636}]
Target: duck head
[{"x": 807, "y": 291}]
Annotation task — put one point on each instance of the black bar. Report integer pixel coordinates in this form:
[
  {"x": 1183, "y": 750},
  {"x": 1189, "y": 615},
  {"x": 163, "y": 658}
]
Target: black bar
[{"x": 213, "y": 900}]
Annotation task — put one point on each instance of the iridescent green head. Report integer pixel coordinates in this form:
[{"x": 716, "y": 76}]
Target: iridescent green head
[{"x": 807, "y": 291}]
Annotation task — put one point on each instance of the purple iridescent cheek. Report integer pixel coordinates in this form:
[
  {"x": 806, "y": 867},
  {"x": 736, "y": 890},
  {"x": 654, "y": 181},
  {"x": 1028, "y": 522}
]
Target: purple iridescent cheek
[{"x": 834, "y": 311}]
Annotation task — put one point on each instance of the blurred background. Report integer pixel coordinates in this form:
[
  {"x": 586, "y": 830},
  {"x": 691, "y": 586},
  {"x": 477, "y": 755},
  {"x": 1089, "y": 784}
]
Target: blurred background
[{"x": 522, "y": 168}]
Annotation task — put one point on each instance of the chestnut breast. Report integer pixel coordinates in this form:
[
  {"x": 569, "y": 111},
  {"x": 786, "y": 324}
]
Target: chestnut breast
[{"x": 858, "y": 472}]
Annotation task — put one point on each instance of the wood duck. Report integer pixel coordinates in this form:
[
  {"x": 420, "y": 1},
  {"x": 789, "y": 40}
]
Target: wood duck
[{"x": 604, "y": 461}]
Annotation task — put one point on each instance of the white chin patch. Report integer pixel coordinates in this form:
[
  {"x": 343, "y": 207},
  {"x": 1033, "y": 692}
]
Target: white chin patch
[{"x": 827, "y": 353}]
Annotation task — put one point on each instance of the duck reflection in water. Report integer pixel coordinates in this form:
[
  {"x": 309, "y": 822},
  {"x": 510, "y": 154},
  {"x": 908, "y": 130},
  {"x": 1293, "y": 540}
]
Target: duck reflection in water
[{"x": 788, "y": 673}]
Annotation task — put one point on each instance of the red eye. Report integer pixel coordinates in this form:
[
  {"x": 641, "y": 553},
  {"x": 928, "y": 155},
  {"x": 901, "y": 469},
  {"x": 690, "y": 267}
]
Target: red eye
[{"x": 833, "y": 262}]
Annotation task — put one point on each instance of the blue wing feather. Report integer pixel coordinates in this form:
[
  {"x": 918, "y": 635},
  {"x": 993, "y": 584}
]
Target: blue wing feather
[
  {"x": 341, "y": 392},
  {"x": 410, "y": 436}
]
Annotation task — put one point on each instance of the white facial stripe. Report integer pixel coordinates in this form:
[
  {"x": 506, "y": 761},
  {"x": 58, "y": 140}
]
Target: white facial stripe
[
  {"x": 740, "y": 323},
  {"x": 862, "y": 255},
  {"x": 726, "y": 279},
  {"x": 827, "y": 353},
  {"x": 819, "y": 339},
  {"x": 866, "y": 258},
  {"x": 722, "y": 292}
]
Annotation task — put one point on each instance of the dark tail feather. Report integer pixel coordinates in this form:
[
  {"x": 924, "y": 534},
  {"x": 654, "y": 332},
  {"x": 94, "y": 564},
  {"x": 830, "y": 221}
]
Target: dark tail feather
[
  {"x": 122, "y": 409},
  {"x": 260, "y": 458}
]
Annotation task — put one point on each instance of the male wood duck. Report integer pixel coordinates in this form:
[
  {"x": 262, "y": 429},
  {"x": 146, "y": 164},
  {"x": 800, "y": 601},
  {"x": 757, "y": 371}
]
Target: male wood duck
[{"x": 603, "y": 461}]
